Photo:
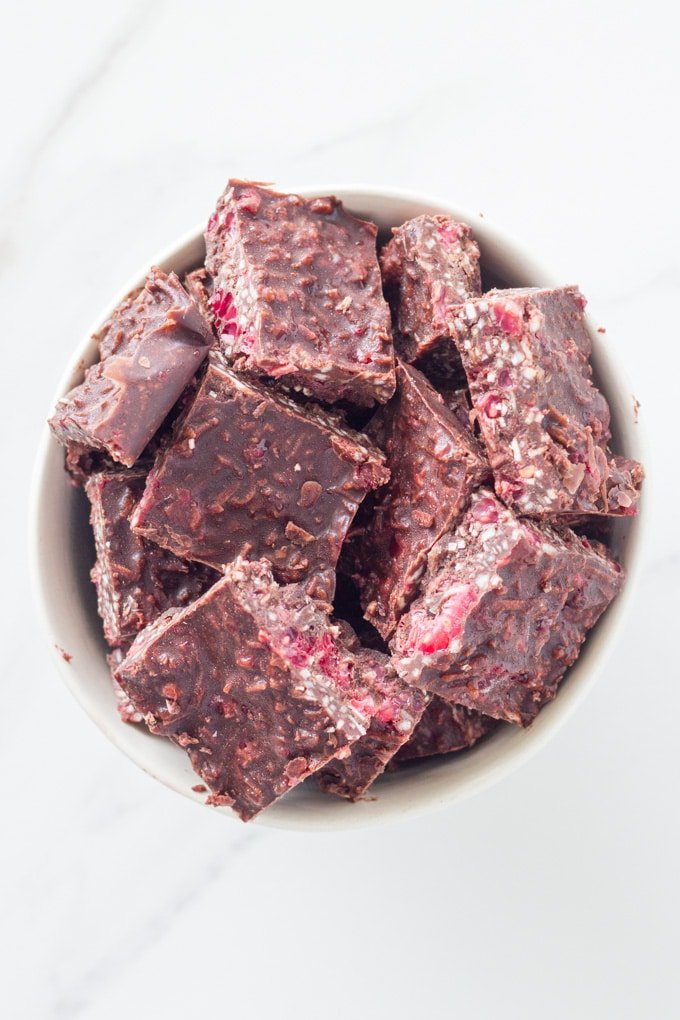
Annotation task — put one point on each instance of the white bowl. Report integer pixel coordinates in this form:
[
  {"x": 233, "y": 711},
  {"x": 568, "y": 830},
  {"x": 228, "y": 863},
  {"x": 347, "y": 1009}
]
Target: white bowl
[{"x": 62, "y": 552}]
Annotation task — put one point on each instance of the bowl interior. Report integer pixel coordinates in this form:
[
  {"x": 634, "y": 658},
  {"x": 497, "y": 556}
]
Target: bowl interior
[{"x": 63, "y": 552}]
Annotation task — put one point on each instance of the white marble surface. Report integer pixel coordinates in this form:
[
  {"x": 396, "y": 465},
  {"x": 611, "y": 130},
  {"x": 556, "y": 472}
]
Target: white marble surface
[{"x": 554, "y": 894}]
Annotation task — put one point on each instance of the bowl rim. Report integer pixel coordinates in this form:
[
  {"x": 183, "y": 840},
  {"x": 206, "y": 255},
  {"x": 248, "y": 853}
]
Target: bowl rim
[{"x": 362, "y": 814}]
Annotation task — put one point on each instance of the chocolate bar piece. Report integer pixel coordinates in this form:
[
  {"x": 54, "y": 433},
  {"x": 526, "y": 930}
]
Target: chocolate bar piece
[
  {"x": 445, "y": 728},
  {"x": 255, "y": 682},
  {"x": 150, "y": 351},
  {"x": 504, "y": 607},
  {"x": 136, "y": 580},
  {"x": 545, "y": 425},
  {"x": 252, "y": 473},
  {"x": 395, "y": 708},
  {"x": 430, "y": 266},
  {"x": 435, "y": 463},
  {"x": 297, "y": 294}
]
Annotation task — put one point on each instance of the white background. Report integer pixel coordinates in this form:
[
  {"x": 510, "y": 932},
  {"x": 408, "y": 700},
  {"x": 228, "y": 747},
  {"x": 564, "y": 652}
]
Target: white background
[{"x": 553, "y": 895}]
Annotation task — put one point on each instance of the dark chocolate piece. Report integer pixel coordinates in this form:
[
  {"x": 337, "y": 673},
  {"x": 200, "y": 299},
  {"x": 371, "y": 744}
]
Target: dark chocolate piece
[
  {"x": 546, "y": 427},
  {"x": 430, "y": 266},
  {"x": 435, "y": 463},
  {"x": 504, "y": 607},
  {"x": 149, "y": 354},
  {"x": 445, "y": 728},
  {"x": 251, "y": 473},
  {"x": 254, "y": 682},
  {"x": 298, "y": 295},
  {"x": 136, "y": 580}
]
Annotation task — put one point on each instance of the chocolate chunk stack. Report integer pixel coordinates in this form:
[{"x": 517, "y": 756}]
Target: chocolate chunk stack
[{"x": 287, "y": 596}]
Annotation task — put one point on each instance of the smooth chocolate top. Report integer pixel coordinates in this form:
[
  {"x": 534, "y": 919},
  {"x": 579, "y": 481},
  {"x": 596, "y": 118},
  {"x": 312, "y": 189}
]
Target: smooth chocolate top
[
  {"x": 150, "y": 351},
  {"x": 251, "y": 473},
  {"x": 298, "y": 294}
]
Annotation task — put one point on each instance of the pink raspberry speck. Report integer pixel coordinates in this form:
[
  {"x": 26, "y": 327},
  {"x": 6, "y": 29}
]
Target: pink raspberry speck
[
  {"x": 508, "y": 316},
  {"x": 433, "y": 635},
  {"x": 449, "y": 232},
  {"x": 493, "y": 406},
  {"x": 249, "y": 201},
  {"x": 485, "y": 511}
]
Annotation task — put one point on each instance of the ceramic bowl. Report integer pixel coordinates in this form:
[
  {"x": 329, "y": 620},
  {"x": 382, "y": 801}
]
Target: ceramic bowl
[{"x": 63, "y": 552}]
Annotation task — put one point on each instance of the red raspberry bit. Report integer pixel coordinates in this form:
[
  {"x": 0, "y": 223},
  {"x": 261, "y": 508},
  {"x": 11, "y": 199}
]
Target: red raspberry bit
[
  {"x": 508, "y": 317},
  {"x": 222, "y": 305},
  {"x": 449, "y": 232},
  {"x": 485, "y": 511},
  {"x": 493, "y": 406},
  {"x": 445, "y": 627},
  {"x": 365, "y": 706},
  {"x": 249, "y": 201},
  {"x": 359, "y": 330},
  {"x": 434, "y": 634},
  {"x": 213, "y": 223},
  {"x": 505, "y": 379}
]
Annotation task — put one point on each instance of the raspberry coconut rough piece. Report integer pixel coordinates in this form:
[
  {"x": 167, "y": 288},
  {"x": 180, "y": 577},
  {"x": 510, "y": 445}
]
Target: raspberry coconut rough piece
[
  {"x": 445, "y": 728},
  {"x": 430, "y": 266},
  {"x": 136, "y": 580},
  {"x": 504, "y": 608},
  {"x": 254, "y": 682},
  {"x": 435, "y": 464},
  {"x": 395, "y": 709},
  {"x": 546, "y": 427},
  {"x": 151, "y": 349},
  {"x": 297, "y": 294},
  {"x": 251, "y": 473}
]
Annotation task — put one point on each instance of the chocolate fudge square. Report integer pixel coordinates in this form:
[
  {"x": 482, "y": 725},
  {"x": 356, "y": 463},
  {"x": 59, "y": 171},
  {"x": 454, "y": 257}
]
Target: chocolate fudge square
[
  {"x": 435, "y": 463},
  {"x": 443, "y": 729},
  {"x": 297, "y": 294},
  {"x": 395, "y": 709},
  {"x": 255, "y": 682},
  {"x": 150, "y": 351},
  {"x": 429, "y": 267},
  {"x": 504, "y": 607},
  {"x": 545, "y": 425},
  {"x": 135, "y": 580},
  {"x": 251, "y": 473}
]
